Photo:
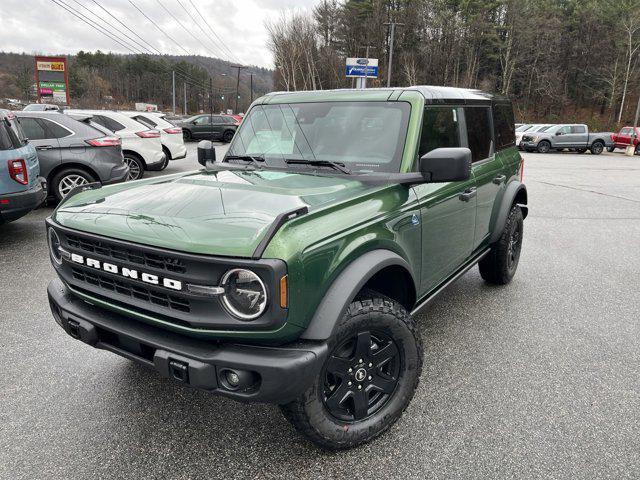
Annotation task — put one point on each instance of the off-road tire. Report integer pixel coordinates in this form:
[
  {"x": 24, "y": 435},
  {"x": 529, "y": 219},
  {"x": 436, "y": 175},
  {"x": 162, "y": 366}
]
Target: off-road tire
[
  {"x": 71, "y": 175},
  {"x": 310, "y": 416},
  {"x": 544, "y": 146},
  {"x": 597, "y": 147},
  {"x": 497, "y": 268}
]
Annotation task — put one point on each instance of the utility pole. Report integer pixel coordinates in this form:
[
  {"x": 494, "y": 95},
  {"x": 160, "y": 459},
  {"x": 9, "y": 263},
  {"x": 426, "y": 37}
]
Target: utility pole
[
  {"x": 184, "y": 105},
  {"x": 174, "y": 91},
  {"x": 251, "y": 76},
  {"x": 239, "y": 67},
  {"x": 393, "y": 34}
]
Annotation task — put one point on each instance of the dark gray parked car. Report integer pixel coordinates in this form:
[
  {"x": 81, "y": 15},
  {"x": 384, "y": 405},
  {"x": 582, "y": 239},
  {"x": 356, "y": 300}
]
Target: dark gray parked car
[
  {"x": 216, "y": 127},
  {"x": 73, "y": 153}
]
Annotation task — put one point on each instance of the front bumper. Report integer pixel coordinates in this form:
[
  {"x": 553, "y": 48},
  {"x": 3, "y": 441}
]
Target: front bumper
[
  {"x": 527, "y": 145},
  {"x": 16, "y": 205},
  {"x": 271, "y": 374}
]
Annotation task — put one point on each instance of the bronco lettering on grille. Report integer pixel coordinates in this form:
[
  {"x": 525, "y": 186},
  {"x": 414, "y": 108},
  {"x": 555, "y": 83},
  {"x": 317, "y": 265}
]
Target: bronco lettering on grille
[{"x": 127, "y": 272}]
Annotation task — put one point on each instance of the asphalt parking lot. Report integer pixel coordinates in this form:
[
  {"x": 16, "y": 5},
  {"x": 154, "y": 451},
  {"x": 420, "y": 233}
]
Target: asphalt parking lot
[{"x": 539, "y": 379}]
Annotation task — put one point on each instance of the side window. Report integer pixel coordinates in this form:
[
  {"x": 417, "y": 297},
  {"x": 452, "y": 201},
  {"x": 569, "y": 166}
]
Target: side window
[
  {"x": 504, "y": 126},
  {"x": 145, "y": 121},
  {"x": 578, "y": 129},
  {"x": 54, "y": 130},
  {"x": 5, "y": 141},
  {"x": 217, "y": 120},
  {"x": 33, "y": 129},
  {"x": 108, "y": 123},
  {"x": 625, "y": 131},
  {"x": 564, "y": 130},
  {"x": 439, "y": 129},
  {"x": 204, "y": 120},
  {"x": 479, "y": 135}
]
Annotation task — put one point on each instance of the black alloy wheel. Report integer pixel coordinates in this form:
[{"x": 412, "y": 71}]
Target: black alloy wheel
[
  {"x": 361, "y": 375},
  {"x": 228, "y": 136},
  {"x": 514, "y": 247}
]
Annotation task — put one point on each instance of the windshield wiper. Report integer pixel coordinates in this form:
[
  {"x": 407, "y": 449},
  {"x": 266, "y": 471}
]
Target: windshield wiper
[
  {"x": 318, "y": 163},
  {"x": 255, "y": 160}
]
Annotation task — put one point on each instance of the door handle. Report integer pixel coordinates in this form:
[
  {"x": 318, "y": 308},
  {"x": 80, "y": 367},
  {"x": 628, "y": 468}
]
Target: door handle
[
  {"x": 499, "y": 179},
  {"x": 45, "y": 147},
  {"x": 468, "y": 194}
]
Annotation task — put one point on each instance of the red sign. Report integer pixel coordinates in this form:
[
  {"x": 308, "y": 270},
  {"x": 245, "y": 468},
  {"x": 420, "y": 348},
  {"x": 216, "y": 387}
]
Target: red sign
[{"x": 46, "y": 91}]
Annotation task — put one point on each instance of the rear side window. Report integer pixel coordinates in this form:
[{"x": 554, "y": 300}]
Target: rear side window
[
  {"x": 478, "y": 120},
  {"x": 33, "y": 129},
  {"x": 578, "y": 129},
  {"x": 108, "y": 123},
  {"x": 14, "y": 132},
  {"x": 440, "y": 129},
  {"x": 146, "y": 122},
  {"x": 54, "y": 130},
  {"x": 504, "y": 126}
]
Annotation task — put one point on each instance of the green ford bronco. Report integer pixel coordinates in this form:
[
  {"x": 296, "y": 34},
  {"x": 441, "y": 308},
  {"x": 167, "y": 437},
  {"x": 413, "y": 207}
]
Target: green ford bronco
[{"x": 291, "y": 270}]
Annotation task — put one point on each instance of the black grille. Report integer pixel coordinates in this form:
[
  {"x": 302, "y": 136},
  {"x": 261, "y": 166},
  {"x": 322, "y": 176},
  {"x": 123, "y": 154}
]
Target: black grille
[
  {"x": 131, "y": 290},
  {"x": 161, "y": 262}
]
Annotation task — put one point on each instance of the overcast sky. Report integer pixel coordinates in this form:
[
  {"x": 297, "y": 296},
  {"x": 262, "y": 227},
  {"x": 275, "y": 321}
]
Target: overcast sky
[{"x": 43, "y": 27}]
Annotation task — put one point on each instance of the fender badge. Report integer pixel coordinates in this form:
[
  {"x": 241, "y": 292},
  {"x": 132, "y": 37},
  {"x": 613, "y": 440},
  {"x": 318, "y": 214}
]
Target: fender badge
[{"x": 415, "y": 220}]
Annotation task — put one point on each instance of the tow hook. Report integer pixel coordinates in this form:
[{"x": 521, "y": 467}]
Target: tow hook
[{"x": 179, "y": 370}]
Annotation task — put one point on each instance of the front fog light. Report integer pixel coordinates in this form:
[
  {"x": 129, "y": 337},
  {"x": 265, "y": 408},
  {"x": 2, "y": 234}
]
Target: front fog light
[
  {"x": 245, "y": 296},
  {"x": 54, "y": 246}
]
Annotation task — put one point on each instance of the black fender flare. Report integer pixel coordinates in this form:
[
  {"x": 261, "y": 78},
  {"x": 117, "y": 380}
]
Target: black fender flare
[
  {"x": 513, "y": 189},
  {"x": 345, "y": 288}
]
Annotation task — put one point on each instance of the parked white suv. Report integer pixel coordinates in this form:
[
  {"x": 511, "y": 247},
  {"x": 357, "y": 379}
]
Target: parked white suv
[
  {"x": 141, "y": 146},
  {"x": 170, "y": 135}
]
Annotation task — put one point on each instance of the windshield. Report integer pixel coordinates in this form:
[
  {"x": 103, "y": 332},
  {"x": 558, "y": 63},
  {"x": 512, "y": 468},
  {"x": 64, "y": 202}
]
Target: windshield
[
  {"x": 364, "y": 136},
  {"x": 523, "y": 128}
]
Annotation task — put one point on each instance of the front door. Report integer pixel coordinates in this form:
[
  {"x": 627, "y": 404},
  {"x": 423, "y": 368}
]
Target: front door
[
  {"x": 562, "y": 136},
  {"x": 48, "y": 148},
  {"x": 202, "y": 127},
  {"x": 448, "y": 210}
]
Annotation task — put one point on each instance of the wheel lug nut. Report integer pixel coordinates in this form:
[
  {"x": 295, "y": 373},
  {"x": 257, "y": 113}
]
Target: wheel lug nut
[
  {"x": 369, "y": 377},
  {"x": 359, "y": 387},
  {"x": 350, "y": 370},
  {"x": 349, "y": 383},
  {"x": 360, "y": 361},
  {"x": 370, "y": 365}
]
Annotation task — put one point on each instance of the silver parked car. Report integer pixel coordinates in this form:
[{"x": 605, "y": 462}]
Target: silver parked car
[
  {"x": 72, "y": 153},
  {"x": 566, "y": 136}
]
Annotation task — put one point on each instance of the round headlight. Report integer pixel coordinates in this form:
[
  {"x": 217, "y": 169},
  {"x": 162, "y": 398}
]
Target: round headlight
[
  {"x": 54, "y": 246},
  {"x": 245, "y": 296}
]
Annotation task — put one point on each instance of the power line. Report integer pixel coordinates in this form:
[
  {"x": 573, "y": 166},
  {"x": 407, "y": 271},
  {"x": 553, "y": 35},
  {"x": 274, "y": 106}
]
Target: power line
[
  {"x": 222, "y": 53},
  {"x": 213, "y": 31},
  {"x": 111, "y": 36},
  {"x": 72, "y": 12}
]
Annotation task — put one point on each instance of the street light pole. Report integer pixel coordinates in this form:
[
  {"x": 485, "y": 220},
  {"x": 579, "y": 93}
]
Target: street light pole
[
  {"x": 393, "y": 34},
  {"x": 239, "y": 67},
  {"x": 174, "y": 91}
]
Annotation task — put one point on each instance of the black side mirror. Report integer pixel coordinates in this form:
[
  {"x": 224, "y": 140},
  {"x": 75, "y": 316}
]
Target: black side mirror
[
  {"x": 206, "y": 152},
  {"x": 559, "y": 133},
  {"x": 446, "y": 165}
]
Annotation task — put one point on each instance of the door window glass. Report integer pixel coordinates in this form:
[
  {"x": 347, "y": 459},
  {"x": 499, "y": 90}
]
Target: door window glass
[
  {"x": 504, "y": 127},
  {"x": 564, "y": 130},
  {"x": 578, "y": 129},
  {"x": 439, "y": 129},
  {"x": 33, "y": 129},
  {"x": 204, "y": 120},
  {"x": 479, "y": 135}
]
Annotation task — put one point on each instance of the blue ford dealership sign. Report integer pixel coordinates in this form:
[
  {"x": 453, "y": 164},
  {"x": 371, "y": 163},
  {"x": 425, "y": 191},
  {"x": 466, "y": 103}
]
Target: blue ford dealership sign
[{"x": 362, "y": 67}]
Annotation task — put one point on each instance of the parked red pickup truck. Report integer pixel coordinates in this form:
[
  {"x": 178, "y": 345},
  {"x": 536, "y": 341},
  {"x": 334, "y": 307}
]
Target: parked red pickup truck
[{"x": 624, "y": 137}]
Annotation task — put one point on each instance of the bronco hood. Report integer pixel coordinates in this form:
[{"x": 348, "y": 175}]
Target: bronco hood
[{"x": 217, "y": 213}]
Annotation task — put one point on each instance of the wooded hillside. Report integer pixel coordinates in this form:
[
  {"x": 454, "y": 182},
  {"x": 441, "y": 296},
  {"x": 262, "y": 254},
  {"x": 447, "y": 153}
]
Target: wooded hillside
[
  {"x": 118, "y": 81},
  {"x": 560, "y": 60}
]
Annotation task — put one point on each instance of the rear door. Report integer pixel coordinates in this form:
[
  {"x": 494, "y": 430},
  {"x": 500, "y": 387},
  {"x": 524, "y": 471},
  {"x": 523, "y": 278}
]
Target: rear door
[
  {"x": 48, "y": 148},
  {"x": 579, "y": 135},
  {"x": 486, "y": 166}
]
